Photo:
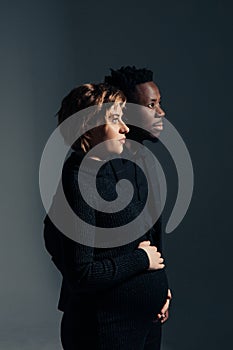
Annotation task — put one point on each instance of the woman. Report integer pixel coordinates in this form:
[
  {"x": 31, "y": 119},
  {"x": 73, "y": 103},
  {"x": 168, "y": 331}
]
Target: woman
[{"x": 110, "y": 295}]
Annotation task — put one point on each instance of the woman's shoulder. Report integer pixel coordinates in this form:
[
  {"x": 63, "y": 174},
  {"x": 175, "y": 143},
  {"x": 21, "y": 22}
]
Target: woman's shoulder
[
  {"x": 89, "y": 174},
  {"x": 73, "y": 165}
]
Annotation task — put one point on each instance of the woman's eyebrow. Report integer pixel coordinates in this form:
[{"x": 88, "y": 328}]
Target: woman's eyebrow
[{"x": 114, "y": 115}]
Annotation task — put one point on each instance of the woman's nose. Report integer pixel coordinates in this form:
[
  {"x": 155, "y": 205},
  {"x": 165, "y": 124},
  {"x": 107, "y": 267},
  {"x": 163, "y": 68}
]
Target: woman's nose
[{"x": 124, "y": 128}]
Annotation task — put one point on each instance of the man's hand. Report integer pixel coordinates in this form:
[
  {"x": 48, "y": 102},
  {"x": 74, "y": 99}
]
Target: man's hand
[{"x": 163, "y": 315}]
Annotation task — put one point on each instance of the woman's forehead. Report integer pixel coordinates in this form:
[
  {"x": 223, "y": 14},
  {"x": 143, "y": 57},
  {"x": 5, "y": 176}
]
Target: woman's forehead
[{"x": 116, "y": 108}]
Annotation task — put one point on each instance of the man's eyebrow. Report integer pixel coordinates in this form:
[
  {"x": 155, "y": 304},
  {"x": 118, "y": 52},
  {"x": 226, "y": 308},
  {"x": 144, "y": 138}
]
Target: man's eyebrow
[{"x": 155, "y": 99}]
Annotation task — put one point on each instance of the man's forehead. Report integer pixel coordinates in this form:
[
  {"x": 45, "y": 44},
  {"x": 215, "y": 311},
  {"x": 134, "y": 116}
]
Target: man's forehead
[{"x": 148, "y": 90}]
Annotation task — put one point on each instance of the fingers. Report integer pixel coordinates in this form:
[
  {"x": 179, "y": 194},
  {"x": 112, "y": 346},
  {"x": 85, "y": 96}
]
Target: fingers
[
  {"x": 161, "y": 266},
  {"x": 156, "y": 261},
  {"x": 145, "y": 243},
  {"x": 160, "y": 262},
  {"x": 164, "y": 313},
  {"x": 164, "y": 317},
  {"x": 165, "y": 307}
]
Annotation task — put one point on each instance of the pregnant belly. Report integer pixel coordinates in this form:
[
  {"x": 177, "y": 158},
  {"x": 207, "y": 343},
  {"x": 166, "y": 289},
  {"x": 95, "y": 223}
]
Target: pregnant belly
[{"x": 142, "y": 295}]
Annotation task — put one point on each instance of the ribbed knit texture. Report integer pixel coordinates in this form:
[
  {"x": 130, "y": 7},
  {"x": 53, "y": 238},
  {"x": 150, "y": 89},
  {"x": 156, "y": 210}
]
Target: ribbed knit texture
[{"x": 114, "y": 283}]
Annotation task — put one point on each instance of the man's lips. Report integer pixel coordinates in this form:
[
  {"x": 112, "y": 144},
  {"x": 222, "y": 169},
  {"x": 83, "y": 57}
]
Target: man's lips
[{"x": 158, "y": 126}]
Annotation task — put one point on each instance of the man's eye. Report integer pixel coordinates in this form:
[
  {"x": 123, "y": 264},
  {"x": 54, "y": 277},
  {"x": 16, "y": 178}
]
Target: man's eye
[
  {"x": 151, "y": 105},
  {"x": 115, "y": 120}
]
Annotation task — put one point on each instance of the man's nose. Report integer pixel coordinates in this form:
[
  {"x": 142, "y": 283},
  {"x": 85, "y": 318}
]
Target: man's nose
[{"x": 159, "y": 113}]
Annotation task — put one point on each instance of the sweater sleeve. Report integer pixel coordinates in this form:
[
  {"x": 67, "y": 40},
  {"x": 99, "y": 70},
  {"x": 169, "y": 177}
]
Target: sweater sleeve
[
  {"x": 85, "y": 274},
  {"x": 156, "y": 234},
  {"x": 81, "y": 269}
]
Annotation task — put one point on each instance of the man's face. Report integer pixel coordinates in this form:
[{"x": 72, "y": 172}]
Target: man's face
[{"x": 150, "y": 114}]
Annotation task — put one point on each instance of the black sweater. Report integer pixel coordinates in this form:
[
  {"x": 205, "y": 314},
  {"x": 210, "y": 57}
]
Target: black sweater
[{"x": 102, "y": 272}]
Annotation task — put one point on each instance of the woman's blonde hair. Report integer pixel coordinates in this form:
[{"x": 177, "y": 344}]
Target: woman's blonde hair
[{"x": 78, "y": 99}]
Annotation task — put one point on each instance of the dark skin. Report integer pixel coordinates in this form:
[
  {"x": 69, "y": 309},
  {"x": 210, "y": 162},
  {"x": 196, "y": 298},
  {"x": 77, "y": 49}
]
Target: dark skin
[{"x": 151, "y": 115}]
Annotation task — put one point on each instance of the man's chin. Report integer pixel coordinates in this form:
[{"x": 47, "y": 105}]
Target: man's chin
[{"x": 153, "y": 138}]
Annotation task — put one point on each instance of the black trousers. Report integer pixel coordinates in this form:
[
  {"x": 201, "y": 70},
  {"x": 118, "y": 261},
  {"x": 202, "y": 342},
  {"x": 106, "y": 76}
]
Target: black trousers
[{"x": 82, "y": 332}]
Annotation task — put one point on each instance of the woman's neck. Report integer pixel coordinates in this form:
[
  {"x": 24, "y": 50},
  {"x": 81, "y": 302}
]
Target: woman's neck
[{"x": 97, "y": 158}]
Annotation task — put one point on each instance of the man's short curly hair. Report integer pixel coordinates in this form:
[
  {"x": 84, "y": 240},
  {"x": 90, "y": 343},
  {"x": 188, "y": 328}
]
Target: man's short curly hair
[
  {"x": 80, "y": 98},
  {"x": 126, "y": 79}
]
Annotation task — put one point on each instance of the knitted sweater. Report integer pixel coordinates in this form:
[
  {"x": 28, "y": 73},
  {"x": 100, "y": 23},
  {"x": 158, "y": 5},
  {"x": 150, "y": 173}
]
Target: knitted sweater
[{"x": 116, "y": 277}]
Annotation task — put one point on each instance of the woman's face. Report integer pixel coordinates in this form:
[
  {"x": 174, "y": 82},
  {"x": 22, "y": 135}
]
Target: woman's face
[{"x": 113, "y": 131}]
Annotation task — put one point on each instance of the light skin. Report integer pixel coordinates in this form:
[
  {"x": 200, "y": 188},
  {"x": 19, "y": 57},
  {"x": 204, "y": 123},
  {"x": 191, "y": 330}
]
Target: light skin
[
  {"x": 113, "y": 132},
  {"x": 156, "y": 262},
  {"x": 151, "y": 114}
]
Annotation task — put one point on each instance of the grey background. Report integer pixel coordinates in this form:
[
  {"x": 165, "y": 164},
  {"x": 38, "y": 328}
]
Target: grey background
[{"x": 48, "y": 47}]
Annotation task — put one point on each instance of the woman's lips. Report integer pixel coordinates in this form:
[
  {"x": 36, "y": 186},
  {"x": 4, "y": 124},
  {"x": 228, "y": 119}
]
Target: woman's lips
[{"x": 122, "y": 140}]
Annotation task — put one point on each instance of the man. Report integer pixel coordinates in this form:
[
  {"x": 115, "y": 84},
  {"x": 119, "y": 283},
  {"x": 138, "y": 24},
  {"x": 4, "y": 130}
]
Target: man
[{"x": 139, "y": 89}]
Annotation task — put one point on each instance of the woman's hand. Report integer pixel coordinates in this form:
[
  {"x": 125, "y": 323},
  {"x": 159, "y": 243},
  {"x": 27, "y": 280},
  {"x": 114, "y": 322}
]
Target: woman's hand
[
  {"x": 156, "y": 262},
  {"x": 164, "y": 314}
]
